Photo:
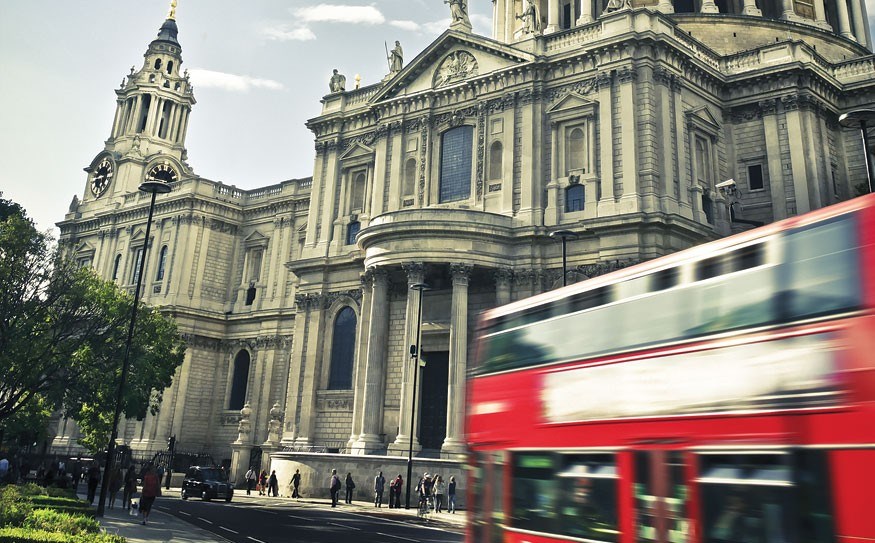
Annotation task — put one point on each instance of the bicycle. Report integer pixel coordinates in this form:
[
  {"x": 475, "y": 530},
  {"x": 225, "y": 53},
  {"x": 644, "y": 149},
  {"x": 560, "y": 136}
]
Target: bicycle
[{"x": 423, "y": 511}]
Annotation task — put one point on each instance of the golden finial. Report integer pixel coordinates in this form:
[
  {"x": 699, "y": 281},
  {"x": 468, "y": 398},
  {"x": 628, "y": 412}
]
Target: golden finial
[
  {"x": 172, "y": 15},
  {"x": 358, "y": 81}
]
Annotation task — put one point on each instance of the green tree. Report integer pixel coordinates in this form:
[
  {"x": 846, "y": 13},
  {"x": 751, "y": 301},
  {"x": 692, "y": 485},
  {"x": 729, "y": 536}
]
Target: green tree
[{"x": 62, "y": 335}]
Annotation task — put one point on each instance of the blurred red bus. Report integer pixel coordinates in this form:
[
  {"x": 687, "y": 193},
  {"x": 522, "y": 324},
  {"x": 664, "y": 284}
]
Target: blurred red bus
[{"x": 723, "y": 393}]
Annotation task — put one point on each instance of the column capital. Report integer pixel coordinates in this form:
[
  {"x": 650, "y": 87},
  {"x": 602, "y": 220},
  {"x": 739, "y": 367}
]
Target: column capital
[
  {"x": 415, "y": 272},
  {"x": 461, "y": 273},
  {"x": 503, "y": 276}
]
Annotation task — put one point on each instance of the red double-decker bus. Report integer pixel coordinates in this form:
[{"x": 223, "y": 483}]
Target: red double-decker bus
[{"x": 725, "y": 393}]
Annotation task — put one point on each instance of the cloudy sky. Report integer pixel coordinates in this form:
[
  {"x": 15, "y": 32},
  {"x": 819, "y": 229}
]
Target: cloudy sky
[{"x": 259, "y": 68}]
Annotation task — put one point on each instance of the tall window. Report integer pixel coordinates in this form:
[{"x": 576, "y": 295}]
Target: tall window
[
  {"x": 162, "y": 262},
  {"x": 255, "y": 258},
  {"x": 576, "y": 156},
  {"x": 496, "y": 155},
  {"x": 116, "y": 266},
  {"x": 138, "y": 260},
  {"x": 342, "y": 350},
  {"x": 456, "y": 152},
  {"x": 755, "y": 177},
  {"x": 410, "y": 177},
  {"x": 351, "y": 231},
  {"x": 574, "y": 198},
  {"x": 358, "y": 191},
  {"x": 239, "y": 380}
]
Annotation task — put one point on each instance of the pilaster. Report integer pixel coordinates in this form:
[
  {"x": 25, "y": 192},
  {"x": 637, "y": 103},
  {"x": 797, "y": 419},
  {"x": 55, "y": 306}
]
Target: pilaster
[
  {"x": 769, "y": 112},
  {"x": 361, "y": 360},
  {"x": 798, "y": 145},
  {"x": 454, "y": 444},
  {"x": 503, "y": 280},
  {"x": 607, "y": 203}
]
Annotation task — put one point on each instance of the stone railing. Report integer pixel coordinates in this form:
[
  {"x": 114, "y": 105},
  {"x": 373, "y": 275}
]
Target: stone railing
[
  {"x": 573, "y": 38},
  {"x": 855, "y": 69},
  {"x": 362, "y": 95},
  {"x": 264, "y": 192},
  {"x": 697, "y": 49},
  {"x": 225, "y": 191}
]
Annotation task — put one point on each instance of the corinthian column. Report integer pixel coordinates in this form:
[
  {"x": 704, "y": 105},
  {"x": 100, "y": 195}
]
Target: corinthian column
[
  {"x": 503, "y": 277},
  {"x": 372, "y": 410},
  {"x": 362, "y": 335},
  {"x": 455, "y": 442},
  {"x": 415, "y": 274}
]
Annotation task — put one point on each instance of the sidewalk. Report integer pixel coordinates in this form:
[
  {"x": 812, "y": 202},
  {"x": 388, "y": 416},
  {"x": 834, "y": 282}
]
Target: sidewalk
[{"x": 162, "y": 527}]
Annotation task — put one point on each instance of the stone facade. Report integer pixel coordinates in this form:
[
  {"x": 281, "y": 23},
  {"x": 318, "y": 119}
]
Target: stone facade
[{"x": 618, "y": 126}]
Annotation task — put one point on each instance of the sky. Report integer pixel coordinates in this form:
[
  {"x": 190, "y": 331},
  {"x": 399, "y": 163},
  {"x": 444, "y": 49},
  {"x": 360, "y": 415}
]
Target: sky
[{"x": 259, "y": 69}]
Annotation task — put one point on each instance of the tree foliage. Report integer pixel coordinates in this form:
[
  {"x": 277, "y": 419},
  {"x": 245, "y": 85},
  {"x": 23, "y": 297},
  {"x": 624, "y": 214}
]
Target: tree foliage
[{"x": 63, "y": 332}]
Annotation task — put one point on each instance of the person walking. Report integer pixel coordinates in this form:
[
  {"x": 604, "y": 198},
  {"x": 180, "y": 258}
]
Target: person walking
[
  {"x": 451, "y": 495},
  {"x": 334, "y": 487},
  {"x": 379, "y": 485},
  {"x": 93, "y": 481},
  {"x": 151, "y": 490},
  {"x": 296, "y": 482},
  {"x": 262, "y": 483},
  {"x": 115, "y": 484},
  {"x": 250, "y": 480},
  {"x": 350, "y": 486},
  {"x": 395, "y": 489},
  {"x": 273, "y": 485},
  {"x": 439, "y": 489},
  {"x": 130, "y": 487}
]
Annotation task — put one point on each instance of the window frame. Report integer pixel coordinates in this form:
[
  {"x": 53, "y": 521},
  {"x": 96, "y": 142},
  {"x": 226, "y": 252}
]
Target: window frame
[
  {"x": 441, "y": 148},
  {"x": 335, "y": 380}
]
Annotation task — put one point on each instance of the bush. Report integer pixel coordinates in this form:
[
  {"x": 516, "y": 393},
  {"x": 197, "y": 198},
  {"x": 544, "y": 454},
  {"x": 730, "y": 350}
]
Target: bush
[
  {"x": 55, "y": 521},
  {"x": 13, "y": 507},
  {"x": 61, "y": 492},
  {"x": 31, "y": 489},
  {"x": 26, "y": 535},
  {"x": 50, "y": 501}
]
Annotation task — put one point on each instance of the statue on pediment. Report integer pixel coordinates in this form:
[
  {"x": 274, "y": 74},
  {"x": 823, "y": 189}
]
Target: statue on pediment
[
  {"x": 531, "y": 18},
  {"x": 459, "y": 13},
  {"x": 456, "y": 66},
  {"x": 337, "y": 83},
  {"x": 396, "y": 58},
  {"x": 617, "y": 5}
]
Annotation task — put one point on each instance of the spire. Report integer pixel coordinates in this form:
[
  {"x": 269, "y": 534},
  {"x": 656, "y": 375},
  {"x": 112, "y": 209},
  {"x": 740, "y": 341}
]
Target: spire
[
  {"x": 172, "y": 15},
  {"x": 169, "y": 30}
]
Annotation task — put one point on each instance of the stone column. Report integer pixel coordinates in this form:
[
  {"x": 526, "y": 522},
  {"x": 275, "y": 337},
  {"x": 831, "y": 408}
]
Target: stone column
[
  {"x": 628, "y": 85},
  {"x": 799, "y": 144},
  {"x": 415, "y": 274},
  {"x": 503, "y": 278},
  {"x": 750, "y": 8},
  {"x": 455, "y": 439},
  {"x": 859, "y": 22},
  {"x": 708, "y": 6},
  {"x": 769, "y": 111},
  {"x": 820, "y": 15},
  {"x": 552, "y": 16},
  {"x": 606, "y": 134},
  {"x": 361, "y": 351},
  {"x": 666, "y": 6},
  {"x": 375, "y": 371},
  {"x": 586, "y": 12},
  {"x": 844, "y": 20}
]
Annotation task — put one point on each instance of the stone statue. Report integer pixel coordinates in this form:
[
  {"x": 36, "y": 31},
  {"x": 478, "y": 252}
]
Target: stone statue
[
  {"x": 396, "y": 58},
  {"x": 132, "y": 71},
  {"x": 459, "y": 12},
  {"x": 74, "y": 205},
  {"x": 337, "y": 83},
  {"x": 274, "y": 427},
  {"x": 244, "y": 426},
  {"x": 531, "y": 18},
  {"x": 617, "y": 5}
]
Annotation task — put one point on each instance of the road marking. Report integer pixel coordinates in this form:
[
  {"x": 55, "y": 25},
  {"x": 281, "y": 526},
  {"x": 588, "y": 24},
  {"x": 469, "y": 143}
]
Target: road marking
[
  {"x": 164, "y": 508},
  {"x": 184, "y": 513},
  {"x": 205, "y": 520},
  {"x": 399, "y": 537},
  {"x": 256, "y": 540},
  {"x": 299, "y": 518},
  {"x": 344, "y": 526},
  {"x": 228, "y": 530}
]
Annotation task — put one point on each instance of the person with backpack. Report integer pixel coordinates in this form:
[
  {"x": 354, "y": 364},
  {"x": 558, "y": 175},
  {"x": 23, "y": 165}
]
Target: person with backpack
[
  {"x": 350, "y": 486},
  {"x": 334, "y": 487}
]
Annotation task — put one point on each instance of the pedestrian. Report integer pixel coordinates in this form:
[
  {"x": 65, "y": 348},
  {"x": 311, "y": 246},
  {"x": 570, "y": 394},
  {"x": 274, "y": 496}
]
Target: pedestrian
[
  {"x": 115, "y": 484},
  {"x": 151, "y": 490},
  {"x": 350, "y": 486},
  {"x": 451, "y": 495},
  {"x": 395, "y": 490},
  {"x": 439, "y": 490},
  {"x": 77, "y": 476},
  {"x": 273, "y": 485},
  {"x": 262, "y": 483},
  {"x": 4, "y": 469},
  {"x": 93, "y": 480},
  {"x": 250, "y": 480},
  {"x": 130, "y": 487},
  {"x": 334, "y": 487},
  {"x": 296, "y": 482},
  {"x": 379, "y": 485}
]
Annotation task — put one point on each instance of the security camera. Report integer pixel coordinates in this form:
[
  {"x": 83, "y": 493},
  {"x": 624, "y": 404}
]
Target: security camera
[{"x": 726, "y": 185}]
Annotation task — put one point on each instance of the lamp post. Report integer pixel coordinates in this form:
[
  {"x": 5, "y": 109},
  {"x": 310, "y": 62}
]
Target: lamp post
[
  {"x": 564, "y": 235},
  {"x": 862, "y": 119},
  {"x": 154, "y": 187},
  {"x": 414, "y": 355}
]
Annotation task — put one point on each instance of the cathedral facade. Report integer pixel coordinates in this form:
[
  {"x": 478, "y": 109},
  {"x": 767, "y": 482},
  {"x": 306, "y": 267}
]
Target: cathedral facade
[{"x": 641, "y": 127}]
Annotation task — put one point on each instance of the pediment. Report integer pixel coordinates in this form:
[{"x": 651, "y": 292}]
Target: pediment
[
  {"x": 702, "y": 117},
  {"x": 255, "y": 239},
  {"x": 357, "y": 150},
  {"x": 84, "y": 248},
  {"x": 453, "y": 58},
  {"x": 570, "y": 102}
]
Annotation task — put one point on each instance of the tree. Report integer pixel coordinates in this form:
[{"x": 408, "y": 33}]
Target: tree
[{"x": 62, "y": 334}]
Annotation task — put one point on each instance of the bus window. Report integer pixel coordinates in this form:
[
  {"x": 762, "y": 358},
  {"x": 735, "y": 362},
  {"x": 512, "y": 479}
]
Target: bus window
[
  {"x": 587, "y": 502},
  {"x": 665, "y": 279},
  {"x": 534, "y": 492},
  {"x": 814, "y": 498},
  {"x": 747, "y": 257},
  {"x": 708, "y": 268}
]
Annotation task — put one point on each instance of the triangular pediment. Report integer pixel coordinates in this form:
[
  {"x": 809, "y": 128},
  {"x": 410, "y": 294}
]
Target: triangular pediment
[
  {"x": 703, "y": 117},
  {"x": 255, "y": 236},
  {"x": 357, "y": 150},
  {"x": 454, "y": 58},
  {"x": 570, "y": 101},
  {"x": 84, "y": 248}
]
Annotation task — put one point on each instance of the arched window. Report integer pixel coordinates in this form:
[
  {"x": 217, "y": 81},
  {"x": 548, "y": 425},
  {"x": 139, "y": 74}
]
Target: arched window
[
  {"x": 358, "y": 191},
  {"x": 574, "y": 198},
  {"x": 456, "y": 151},
  {"x": 162, "y": 262},
  {"x": 169, "y": 66},
  {"x": 239, "y": 380},
  {"x": 410, "y": 177},
  {"x": 575, "y": 150},
  {"x": 342, "y": 350},
  {"x": 351, "y": 231},
  {"x": 157, "y": 63},
  {"x": 496, "y": 155},
  {"x": 116, "y": 266}
]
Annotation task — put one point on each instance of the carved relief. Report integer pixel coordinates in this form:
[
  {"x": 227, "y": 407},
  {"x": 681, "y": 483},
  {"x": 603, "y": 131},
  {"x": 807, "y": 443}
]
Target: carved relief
[{"x": 457, "y": 66}]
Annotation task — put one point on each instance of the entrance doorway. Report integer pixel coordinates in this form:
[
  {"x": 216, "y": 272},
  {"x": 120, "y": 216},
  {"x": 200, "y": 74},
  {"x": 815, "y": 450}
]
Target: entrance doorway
[{"x": 433, "y": 408}]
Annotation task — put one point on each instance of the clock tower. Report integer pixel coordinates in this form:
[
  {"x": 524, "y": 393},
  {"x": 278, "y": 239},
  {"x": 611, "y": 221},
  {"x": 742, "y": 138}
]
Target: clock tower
[{"x": 148, "y": 132}]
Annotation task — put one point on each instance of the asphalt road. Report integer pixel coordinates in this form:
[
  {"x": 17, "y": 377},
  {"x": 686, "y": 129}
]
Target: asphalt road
[{"x": 279, "y": 521}]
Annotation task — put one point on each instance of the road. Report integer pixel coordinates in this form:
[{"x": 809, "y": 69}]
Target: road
[{"x": 278, "y": 521}]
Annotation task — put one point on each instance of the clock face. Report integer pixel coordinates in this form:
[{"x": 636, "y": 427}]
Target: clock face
[
  {"x": 101, "y": 178},
  {"x": 163, "y": 173}
]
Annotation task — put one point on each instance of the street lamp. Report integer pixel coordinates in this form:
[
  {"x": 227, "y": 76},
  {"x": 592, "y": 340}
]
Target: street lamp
[
  {"x": 414, "y": 355},
  {"x": 862, "y": 119},
  {"x": 564, "y": 235},
  {"x": 154, "y": 187}
]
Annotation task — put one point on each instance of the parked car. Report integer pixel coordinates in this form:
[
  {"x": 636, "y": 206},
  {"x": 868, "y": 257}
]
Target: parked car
[{"x": 207, "y": 483}]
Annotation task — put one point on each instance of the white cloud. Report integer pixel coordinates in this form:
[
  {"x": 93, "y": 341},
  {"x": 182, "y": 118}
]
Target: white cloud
[
  {"x": 231, "y": 82},
  {"x": 288, "y": 33},
  {"x": 481, "y": 22},
  {"x": 436, "y": 27},
  {"x": 336, "y": 13},
  {"x": 413, "y": 26}
]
